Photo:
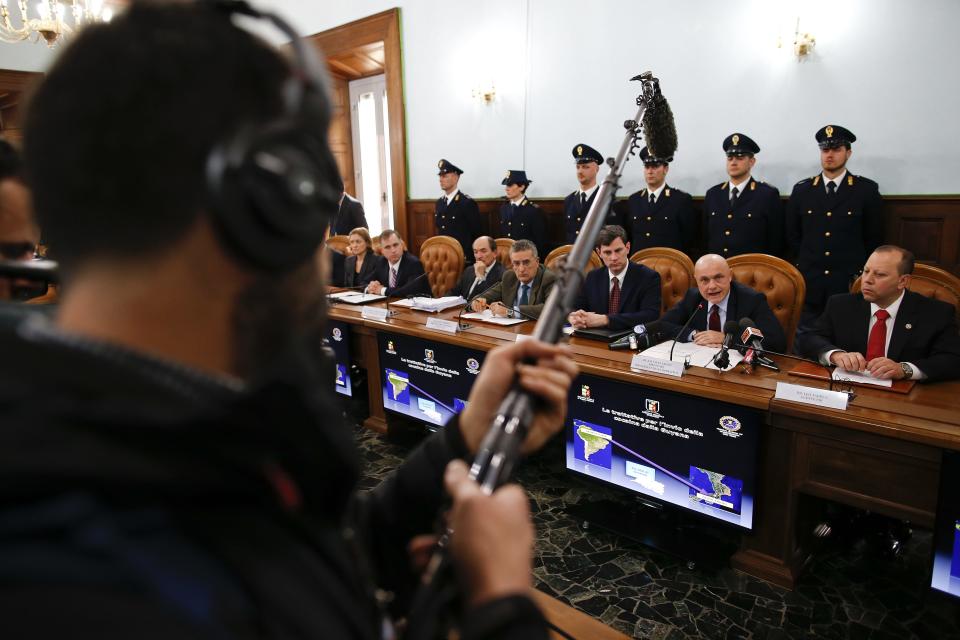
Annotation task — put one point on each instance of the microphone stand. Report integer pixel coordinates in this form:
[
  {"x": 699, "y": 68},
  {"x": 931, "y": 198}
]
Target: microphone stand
[{"x": 500, "y": 448}]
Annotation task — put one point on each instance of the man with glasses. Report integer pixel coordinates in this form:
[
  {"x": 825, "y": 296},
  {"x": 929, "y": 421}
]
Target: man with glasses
[{"x": 522, "y": 291}]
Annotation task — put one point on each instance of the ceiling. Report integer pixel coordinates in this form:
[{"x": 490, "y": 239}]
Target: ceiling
[{"x": 360, "y": 62}]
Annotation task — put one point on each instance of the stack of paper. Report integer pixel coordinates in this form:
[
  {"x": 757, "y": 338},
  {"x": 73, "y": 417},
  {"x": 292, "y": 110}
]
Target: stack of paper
[
  {"x": 355, "y": 297},
  {"x": 860, "y": 377},
  {"x": 433, "y": 305},
  {"x": 487, "y": 316},
  {"x": 695, "y": 354}
]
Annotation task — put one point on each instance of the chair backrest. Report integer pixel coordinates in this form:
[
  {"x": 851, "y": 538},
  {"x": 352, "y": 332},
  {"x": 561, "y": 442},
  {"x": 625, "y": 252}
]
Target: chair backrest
[
  {"x": 932, "y": 282},
  {"x": 675, "y": 269},
  {"x": 442, "y": 258},
  {"x": 340, "y": 243},
  {"x": 558, "y": 255},
  {"x": 503, "y": 252},
  {"x": 780, "y": 281}
]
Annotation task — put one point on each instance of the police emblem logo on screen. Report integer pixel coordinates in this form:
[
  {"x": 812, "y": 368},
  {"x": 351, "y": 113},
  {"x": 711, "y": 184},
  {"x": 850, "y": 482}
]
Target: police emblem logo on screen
[
  {"x": 390, "y": 348},
  {"x": 652, "y": 409},
  {"x": 473, "y": 366},
  {"x": 337, "y": 334},
  {"x": 428, "y": 356},
  {"x": 730, "y": 427},
  {"x": 585, "y": 395}
]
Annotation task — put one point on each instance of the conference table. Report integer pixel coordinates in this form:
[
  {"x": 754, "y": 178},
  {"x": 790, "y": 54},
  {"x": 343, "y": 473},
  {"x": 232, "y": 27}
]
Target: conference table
[{"x": 882, "y": 453}]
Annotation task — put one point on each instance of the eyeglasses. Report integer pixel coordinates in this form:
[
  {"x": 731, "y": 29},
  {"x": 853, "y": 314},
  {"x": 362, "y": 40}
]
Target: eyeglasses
[{"x": 15, "y": 250}]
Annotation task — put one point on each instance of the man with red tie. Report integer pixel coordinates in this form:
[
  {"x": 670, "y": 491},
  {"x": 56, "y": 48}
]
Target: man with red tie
[
  {"x": 887, "y": 330},
  {"x": 621, "y": 295}
]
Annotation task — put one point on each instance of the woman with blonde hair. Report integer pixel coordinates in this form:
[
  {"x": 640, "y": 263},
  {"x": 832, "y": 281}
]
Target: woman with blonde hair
[{"x": 359, "y": 266}]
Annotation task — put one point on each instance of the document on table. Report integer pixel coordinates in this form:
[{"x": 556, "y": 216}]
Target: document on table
[
  {"x": 355, "y": 297},
  {"x": 697, "y": 355},
  {"x": 487, "y": 316},
  {"x": 433, "y": 305},
  {"x": 860, "y": 377}
]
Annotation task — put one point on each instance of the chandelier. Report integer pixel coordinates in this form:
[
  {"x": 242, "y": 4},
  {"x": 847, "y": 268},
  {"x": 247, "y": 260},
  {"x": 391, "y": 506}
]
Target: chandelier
[{"x": 48, "y": 22}]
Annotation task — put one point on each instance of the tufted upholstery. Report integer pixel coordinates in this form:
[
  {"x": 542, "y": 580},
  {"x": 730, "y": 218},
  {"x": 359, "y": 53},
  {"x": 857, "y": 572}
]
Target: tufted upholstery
[
  {"x": 340, "y": 243},
  {"x": 777, "y": 279},
  {"x": 554, "y": 258},
  {"x": 503, "y": 252},
  {"x": 442, "y": 258},
  {"x": 675, "y": 269},
  {"x": 932, "y": 282}
]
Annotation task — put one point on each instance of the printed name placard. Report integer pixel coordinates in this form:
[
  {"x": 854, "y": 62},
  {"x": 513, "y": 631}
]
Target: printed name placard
[
  {"x": 641, "y": 362},
  {"x": 809, "y": 395},
  {"x": 448, "y": 326},
  {"x": 375, "y": 313}
]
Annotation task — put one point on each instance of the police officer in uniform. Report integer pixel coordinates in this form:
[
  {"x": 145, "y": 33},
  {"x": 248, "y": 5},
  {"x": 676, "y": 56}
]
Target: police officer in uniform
[
  {"x": 577, "y": 205},
  {"x": 520, "y": 219},
  {"x": 660, "y": 215},
  {"x": 742, "y": 215},
  {"x": 834, "y": 221},
  {"x": 456, "y": 214}
]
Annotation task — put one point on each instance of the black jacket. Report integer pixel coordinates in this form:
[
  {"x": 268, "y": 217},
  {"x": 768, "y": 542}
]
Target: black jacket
[
  {"x": 924, "y": 333},
  {"x": 639, "y": 296},
  {"x": 410, "y": 276},
  {"x": 524, "y": 222},
  {"x": 140, "y": 499},
  {"x": 751, "y": 224},
  {"x": 574, "y": 213},
  {"x": 467, "y": 278},
  {"x": 671, "y": 221},
  {"x": 460, "y": 220},
  {"x": 744, "y": 302},
  {"x": 349, "y": 216},
  {"x": 353, "y": 279}
]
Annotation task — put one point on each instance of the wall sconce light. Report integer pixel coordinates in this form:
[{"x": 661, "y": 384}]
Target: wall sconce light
[
  {"x": 485, "y": 92},
  {"x": 803, "y": 43}
]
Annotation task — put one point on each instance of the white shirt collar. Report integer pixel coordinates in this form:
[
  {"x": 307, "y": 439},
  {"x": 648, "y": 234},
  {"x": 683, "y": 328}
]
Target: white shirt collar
[
  {"x": 892, "y": 309},
  {"x": 740, "y": 185},
  {"x": 835, "y": 181},
  {"x": 656, "y": 192},
  {"x": 451, "y": 196},
  {"x": 518, "y": 200},
  {"x": 620, "y": 276},
  {"x": 395, "y": 265},
  {"x": 722, "y": 304},
  {"x": 590, "y": 191}
]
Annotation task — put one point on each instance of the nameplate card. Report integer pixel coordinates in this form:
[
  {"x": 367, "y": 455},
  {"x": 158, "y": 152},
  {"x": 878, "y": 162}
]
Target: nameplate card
[
  {"x": 524, "y": 336},
  {"x": 809, "y": 395},
  {"x": 641, "y": 362},
  {"x": 379, "y": 314},
  {"x": 447, "y": 326}
]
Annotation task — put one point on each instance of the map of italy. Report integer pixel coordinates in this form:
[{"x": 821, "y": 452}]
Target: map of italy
[
  {"x": 593, "y": 443},
  {"x": 716, "y": 489},
  {"x": 398, "y": 386}
]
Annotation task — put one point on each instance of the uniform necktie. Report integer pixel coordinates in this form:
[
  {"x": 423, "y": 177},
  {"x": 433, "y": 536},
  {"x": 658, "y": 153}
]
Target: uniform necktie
[
  {"x": 653, "y": 199},
  {"x": 877, "y": 344},
  {"x": 831, "y": 188},
  {"x": 443, "y": 204},
  {"x": 734, "y": 194},
  {"x": 393, "y": 278},
  {"x": 614, "y": 305},
  {"x": 524, "y": 295},
  {"x": 583, "y": 199},
  {"x": 714, "y": 322}
]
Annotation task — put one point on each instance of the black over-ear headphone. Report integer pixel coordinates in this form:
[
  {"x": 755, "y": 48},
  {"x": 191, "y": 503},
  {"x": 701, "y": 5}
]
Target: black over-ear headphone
[{"x": 273, "y": 186}]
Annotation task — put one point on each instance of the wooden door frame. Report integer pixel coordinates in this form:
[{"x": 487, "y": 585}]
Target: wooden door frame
[{"x": 381, "y": 27}]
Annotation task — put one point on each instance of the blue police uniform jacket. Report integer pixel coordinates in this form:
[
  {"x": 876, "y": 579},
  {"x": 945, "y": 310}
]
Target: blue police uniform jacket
[
  {"x": 460, "y": 220},
  {"x": 524, "y": 222},
  {"x": 751, "y": 224},
  {"x": 574, "y": 214},
  {"x": 671, "y": 221}
]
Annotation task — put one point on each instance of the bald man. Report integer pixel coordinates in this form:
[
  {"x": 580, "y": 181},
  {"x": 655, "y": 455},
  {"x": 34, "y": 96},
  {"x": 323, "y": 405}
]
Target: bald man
[{"x": 721, "y": 299}]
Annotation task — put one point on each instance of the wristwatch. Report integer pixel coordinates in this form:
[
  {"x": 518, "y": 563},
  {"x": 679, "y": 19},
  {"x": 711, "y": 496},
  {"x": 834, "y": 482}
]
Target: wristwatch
[{"x": 907, "y": 370}]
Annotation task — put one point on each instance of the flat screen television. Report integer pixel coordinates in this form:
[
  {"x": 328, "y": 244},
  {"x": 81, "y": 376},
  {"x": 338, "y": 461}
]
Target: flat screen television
[
  {"x": 338, "y": 338},
  {"x": 693, "y": 453},
  {"x": 946, "y": 535},
  {"x": 426, "y": 380}
]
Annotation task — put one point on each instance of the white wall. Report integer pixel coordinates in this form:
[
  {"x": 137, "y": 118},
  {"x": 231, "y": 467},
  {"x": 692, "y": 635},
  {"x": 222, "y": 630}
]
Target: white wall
[{"x": 885, "y": 69}]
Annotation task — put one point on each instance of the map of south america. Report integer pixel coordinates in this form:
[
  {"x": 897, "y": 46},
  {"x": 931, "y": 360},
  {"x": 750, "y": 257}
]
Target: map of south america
[
  {"x": 592, "y": 443},
  {"x": 398, "y": 386}
]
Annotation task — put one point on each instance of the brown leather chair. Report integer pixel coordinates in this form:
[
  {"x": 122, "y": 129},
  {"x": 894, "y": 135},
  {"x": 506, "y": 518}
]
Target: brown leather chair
[
  {"x": 675, "y": 269},
  {"x": 442, "y": 258},
  {"x": 50, "y": 297},
  {"x": 339, "y": 243},
  {"x": 932, "y": 282},
  {"x": 780, "y": 281},
  {"x": 503, "y": 252},
  {"x": 554, "y": 258}
]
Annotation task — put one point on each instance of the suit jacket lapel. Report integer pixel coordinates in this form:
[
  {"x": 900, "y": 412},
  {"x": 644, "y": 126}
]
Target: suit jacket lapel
[
  {"x": 861, "y": 327},
  {"x": 535, "y": 286},
  {"x": 732, "y": 306},
  {"x": 905, "y": 316}
]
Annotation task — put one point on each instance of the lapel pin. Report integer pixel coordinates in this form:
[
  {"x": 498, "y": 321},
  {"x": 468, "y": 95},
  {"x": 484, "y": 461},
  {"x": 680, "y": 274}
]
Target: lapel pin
[{"x": 909, "y": 326}]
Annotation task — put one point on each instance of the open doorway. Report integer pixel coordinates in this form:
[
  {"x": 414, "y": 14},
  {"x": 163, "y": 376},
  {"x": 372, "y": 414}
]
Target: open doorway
[{"x": 370, "y": 129}]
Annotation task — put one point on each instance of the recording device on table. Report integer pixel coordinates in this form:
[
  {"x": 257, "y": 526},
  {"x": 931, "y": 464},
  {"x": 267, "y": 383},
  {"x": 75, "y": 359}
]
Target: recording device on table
[
  {"x": 843, "y": 386},
  {"x": 722, "y": 359},
  {"x": 643, "y": 336},
  {"x": 499, "y": 450},
  {"x": 752, "y": 339}
]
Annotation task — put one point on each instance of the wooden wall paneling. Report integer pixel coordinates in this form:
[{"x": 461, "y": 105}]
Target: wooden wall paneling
[
  {"x": 341, "y": 137},
  {"x": 13, "y": 87}
]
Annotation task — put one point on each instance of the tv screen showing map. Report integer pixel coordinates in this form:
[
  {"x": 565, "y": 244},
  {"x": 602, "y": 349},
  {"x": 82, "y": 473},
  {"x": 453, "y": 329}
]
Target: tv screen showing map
[
  {"x": 426, "y": 380},
  {"x": 338, "y": 338},
  {"x": 946, "y": 542},
  {"x": 682, "y": 450}
]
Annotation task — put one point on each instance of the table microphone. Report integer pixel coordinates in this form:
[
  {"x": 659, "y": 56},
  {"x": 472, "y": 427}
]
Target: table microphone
[
  {"x": 465, "y": 325},
  {"x": 684, "y": 328},
  {"x": 753, "y": 338},
  {"x": 722, "y": 358},
  {"x": 643, "y": 336}
]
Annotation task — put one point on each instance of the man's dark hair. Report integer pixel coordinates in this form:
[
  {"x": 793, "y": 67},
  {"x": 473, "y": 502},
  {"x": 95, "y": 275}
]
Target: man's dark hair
[
  {"x": 117, "y": 135},
  {"x": 610, "y": 233},
  {"x": 386, "y": 233},
  {"x": 907, "y": 260},
  {"x": 10, "y": 164}
]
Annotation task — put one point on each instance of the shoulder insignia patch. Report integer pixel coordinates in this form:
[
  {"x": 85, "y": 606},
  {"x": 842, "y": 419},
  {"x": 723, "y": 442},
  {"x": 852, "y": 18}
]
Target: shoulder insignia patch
[
  {"x": 850, "y": 179},
  {"x": 816, "y": 180},
  {"x": 666, "y": 192}
]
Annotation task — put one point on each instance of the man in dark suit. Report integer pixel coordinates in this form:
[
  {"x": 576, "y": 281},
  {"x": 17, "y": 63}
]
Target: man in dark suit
[
  {"x": 621, "y": 295},
  {"x": 483, "y": 273},
  {"x": 886, "y": 330},
  {"x": 456, "y": 214},
  {"x": 349, "y": 215},
  {"x": 742, "y": 215},
  {"x": 520, "y": 219},
  {"x": 523, "y": 290},
  {"x": 834, "y": 221},
  {"x": 721, "y": 299},
  {"x": 398, "y": 273},
  {"x": 577, "y": 205},
  {"x": 660, "y": 215}
]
